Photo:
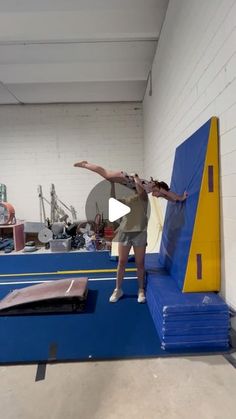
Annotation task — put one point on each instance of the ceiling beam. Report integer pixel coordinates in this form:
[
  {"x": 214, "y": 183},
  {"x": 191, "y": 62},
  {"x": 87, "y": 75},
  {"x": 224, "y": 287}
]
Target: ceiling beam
[{"x": 79, "y": 26}]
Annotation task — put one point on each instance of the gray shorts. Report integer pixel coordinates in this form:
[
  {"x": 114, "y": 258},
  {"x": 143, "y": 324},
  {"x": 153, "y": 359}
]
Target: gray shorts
[{"x": 135, "y": 239}]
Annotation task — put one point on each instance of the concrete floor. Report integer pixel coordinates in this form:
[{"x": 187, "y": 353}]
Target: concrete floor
[{"x": 184, "y": 388}]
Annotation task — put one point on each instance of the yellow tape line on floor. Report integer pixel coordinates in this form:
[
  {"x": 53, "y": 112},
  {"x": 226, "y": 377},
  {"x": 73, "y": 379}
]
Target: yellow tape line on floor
[{"x": 83, "y": 271}]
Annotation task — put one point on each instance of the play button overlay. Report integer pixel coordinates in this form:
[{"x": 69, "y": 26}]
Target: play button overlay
[
  {"x": 99, "y": 201},
  {"x": 117, "y": 209}
]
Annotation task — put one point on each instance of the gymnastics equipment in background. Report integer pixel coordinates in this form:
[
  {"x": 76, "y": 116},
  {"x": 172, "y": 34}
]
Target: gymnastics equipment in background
[
  {"x": 184, "y": 313},
  {"x": 57, "y": 212},
  {"x": 62, "y": 295},
  {"x": 3, "y": 192},
  {"x": 7, "y": 214}
]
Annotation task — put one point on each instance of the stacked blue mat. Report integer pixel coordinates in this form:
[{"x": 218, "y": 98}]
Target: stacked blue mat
[{"x": 186, "y": 320}]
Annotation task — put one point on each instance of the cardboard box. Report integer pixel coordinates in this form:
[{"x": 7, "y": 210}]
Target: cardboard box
[{"x": 60, "y": 245}]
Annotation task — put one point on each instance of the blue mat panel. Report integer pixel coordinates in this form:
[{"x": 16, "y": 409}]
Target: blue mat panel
[
  {"x": 186, "y": 320},
  {"x": 103, "y": 331},
  {"x": 172, "y": 300},
  {"x": 179, "y": 218},
  {"x": 51, "y": 262},
  {"x": 221, "y": 346},
  {"x": 194, "y": 321},
  {"x": 153, "y": 263}
]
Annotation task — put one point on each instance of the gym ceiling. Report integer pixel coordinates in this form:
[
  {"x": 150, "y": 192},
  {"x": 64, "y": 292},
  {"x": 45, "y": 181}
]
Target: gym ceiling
[{"x": 65, "y": 51}]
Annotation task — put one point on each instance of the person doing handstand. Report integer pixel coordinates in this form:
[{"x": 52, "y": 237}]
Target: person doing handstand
[{"x": 158, "y": 189}]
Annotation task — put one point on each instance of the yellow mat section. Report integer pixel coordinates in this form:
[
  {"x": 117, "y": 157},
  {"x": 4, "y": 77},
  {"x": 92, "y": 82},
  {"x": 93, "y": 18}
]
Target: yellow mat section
[{"x": 203, "y": 268}]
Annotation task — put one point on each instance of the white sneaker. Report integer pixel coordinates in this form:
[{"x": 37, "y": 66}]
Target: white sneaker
[
  {"x": 141, "y": 296},
  {"x": 116, "y": 295}
]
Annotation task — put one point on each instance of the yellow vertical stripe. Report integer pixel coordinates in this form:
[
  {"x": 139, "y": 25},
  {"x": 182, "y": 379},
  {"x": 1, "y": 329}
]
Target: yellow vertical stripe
[{"x": 206, "y": 234}]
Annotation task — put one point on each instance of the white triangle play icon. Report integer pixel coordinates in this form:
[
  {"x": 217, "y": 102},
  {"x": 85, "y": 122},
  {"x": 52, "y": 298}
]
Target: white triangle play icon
[{"x": 117, "y": 210}]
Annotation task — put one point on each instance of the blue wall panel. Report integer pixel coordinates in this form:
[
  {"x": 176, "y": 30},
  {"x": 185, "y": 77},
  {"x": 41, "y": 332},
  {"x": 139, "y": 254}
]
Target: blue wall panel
[{"x": 180, "y": 217}]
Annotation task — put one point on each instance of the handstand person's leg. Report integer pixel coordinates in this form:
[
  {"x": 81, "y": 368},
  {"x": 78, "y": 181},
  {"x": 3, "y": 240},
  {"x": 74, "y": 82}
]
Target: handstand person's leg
[
  {"x": 122, "y": 262},
  {"x": 139, "y": 252},
  {"x": 106, "y": 174},
  {"x": 123, "y": 259}
]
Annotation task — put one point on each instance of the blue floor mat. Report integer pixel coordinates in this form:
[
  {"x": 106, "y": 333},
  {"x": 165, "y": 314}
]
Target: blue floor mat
[{"x": 104, "y": 331}]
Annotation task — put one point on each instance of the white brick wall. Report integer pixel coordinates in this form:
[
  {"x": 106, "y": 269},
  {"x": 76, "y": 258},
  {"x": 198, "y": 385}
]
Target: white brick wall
[
  {"x": 39, "y": 144},
  {"x": 194, "y": 78}
]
